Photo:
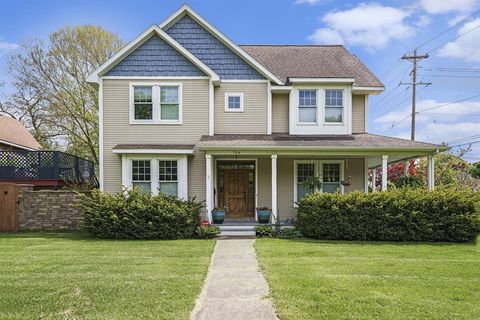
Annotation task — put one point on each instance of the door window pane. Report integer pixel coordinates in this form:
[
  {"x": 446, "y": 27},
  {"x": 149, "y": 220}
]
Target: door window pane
[
  {"x": 304, "y": 170},
  {"x": 331, "y": 177}
]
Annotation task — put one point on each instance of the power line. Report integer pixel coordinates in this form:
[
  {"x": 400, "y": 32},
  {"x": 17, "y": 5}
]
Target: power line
[
  {"x": 447, "y": 104},
  {"x": 458, "y": 36},
  {"x": 448, "y": 69},
  {"x": 464, "y": 144},
  {"x": 451, "y": 114},
  {"x": 449, "y": 76},
  {"x": 464, "y": 138},
  {"x": 392, "y": 98}
]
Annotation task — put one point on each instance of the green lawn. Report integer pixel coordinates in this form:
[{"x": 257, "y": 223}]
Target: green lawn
[
  {"x": 353, "y": 280},
  {"x": 69, "y": 276}
]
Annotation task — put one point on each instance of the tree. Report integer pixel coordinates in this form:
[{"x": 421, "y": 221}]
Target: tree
[
  {"x": 52, "y": 97},
  {"x": 475, "y": 170}
]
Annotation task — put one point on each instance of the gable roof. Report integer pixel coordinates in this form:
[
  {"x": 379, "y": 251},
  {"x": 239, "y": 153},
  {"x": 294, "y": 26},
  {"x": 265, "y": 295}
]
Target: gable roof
[
  {"x": 313, "y": 61},
  {"x": 13, "y": 133},
  {"x": 186, "y": 10},
  {"x": 142, "y": 38}
]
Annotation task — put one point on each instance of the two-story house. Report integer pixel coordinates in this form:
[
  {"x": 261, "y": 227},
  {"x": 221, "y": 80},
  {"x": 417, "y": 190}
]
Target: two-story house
[{"x": 185, "y": 111}]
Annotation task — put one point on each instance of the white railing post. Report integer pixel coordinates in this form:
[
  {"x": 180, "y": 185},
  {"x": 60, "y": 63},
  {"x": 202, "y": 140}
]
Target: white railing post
[
  {"x": 374, "y": 179},
  {"x": 384, "y": 172},
  {"x": 431, "y": 172}
]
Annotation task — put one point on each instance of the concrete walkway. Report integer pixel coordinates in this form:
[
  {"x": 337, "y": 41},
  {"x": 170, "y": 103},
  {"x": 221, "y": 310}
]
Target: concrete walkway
[{"x": 235, "y": 288}]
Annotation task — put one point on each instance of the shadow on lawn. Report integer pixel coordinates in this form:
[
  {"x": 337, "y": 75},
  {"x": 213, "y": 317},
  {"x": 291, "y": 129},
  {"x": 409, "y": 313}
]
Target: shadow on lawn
[
  {"x": 382, "y": 243},
  {"x": 70, "y": 235}
]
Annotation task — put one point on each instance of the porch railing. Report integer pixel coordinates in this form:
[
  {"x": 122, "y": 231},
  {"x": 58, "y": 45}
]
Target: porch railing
[{"x": 47, "y": 165}]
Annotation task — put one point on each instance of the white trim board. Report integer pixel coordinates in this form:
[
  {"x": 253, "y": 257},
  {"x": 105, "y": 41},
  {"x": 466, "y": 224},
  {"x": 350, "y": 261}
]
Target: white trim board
[
  {"x": 142, "y": 38},
  {"x": 185, "y": 9},
  {"x": 322, "y": 80},
  {"x": 152, "y": 151},
  {"x": 18, "y": 145}
]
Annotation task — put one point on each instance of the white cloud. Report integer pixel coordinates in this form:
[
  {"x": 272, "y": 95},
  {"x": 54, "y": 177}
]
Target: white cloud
[
  {"x": 371, "y": 25},
  {"x": 7, "y": 46},
  {"x": 310, "y": 2},
  {"x": 423, "y": 21},
  {"x": 444, "y": 6},
  {"x": 466, "y": 47}
]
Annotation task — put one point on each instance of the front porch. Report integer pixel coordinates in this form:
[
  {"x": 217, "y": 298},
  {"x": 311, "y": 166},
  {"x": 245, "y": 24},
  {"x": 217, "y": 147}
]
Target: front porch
[{"x": 245, "y": 172}]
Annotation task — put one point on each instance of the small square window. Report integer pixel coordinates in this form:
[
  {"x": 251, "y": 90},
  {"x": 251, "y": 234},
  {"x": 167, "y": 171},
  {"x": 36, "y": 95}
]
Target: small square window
[{"x": 234, "y": 102}]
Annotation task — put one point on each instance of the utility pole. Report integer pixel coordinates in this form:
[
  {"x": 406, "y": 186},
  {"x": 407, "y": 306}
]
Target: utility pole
[{"x": 415, "y": 58}]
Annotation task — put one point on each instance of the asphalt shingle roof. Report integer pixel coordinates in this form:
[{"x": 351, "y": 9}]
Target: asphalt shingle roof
[
  {"x": 312, "y": 61},
  {"x": 362, "y": 140},
  {"x": 12, "y": 131}
]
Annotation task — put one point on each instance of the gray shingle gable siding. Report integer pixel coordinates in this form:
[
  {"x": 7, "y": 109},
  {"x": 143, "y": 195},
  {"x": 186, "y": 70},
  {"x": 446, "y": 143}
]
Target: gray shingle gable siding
[
  {"x": 207, "y": 48},
  {"x": 155, "y": 57}
]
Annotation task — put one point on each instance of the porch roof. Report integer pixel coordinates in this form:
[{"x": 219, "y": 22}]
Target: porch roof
[
  {"x": 154, "y": 148},
  {"x": 358, "y": 142}
]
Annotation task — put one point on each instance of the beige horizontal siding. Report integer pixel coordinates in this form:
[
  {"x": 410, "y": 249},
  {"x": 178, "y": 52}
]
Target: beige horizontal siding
[
  {"x": 264, "y": 182},
  {"x": 253, "y": 119},
  {"x": 117, "y": 129},
  {"x": 280, "y": 113},
  {"x": 358, "y": 113}
]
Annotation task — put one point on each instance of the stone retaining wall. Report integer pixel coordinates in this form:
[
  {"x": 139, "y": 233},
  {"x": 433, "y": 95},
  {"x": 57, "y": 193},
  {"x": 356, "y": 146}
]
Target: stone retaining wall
[{"x": 48, "y": 209}]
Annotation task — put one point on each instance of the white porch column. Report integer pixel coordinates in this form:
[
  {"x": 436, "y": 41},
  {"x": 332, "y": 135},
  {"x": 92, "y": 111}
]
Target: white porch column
[
  {"x": 431, "y": 172},
  {"x": 384, "y": 172},
  {"x": 209, "y": 179},
  {"x": 274, "y": 187},
  {"x": 374, "y": 179}
]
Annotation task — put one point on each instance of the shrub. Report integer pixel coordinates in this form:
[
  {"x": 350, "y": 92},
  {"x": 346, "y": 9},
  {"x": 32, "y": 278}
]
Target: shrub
[
  {"x": 289, "y": 233},
  {"x": 207, "y": 232},
  {"x": 409, "y": 181},
  {"x": 264, "y": 231},
  {"x": 138, "y": 215},
  {"x": 398, "y": 215}
]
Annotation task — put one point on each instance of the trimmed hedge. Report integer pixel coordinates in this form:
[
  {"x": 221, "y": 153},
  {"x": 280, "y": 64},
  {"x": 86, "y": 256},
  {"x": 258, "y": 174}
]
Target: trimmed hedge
[
  {"x": 138, "y": 215},
  {"x": 397, "y": 215}
]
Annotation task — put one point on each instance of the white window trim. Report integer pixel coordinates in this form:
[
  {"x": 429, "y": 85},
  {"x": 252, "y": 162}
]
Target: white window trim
[
  {"x": 318, "y": 172},
  {"x": 316, "y": 107},
  {"x": 233, "y": 94},
  {"x": 182, "y": 171},
  {"x": 155, "y": 102},
  {"x": 325, "y": 123}
]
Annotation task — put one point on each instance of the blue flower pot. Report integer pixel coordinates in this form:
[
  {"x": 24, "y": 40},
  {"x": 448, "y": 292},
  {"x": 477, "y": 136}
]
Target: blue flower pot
[
  {"x": 218, "y": 216},
  {"x": 264, "y": 216}
]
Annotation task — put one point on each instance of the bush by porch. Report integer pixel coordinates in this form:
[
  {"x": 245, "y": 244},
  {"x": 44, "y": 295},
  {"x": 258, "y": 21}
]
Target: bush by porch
[{"x": 397, "y": 215}]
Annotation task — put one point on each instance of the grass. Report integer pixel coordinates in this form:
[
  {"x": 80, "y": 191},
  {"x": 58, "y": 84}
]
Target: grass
[
  {"x": 70, "y": 276},
  {"x": 355, "y": 280}
]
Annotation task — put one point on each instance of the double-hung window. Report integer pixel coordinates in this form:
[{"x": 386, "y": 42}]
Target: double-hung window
[
  {"x": 156, "y": 103},
  {"x": 331, "y": 177},
  {"x": 307, "y": 106},
  {"x": 169, "y": 103},
  {"x": 141, "y": 177},
  {"x": 304, "y": 171},
  {"x": 168, "y": 177},
  {"x": 142, "y": 103},
  {"x": 333, "y": 106}
]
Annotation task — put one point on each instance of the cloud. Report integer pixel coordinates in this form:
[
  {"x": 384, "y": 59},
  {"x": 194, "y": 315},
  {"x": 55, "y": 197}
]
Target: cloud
[
  {"x": 423, "y": 21},
  {"x": 7, "y": 46},
  {"x": 445, "y": 6},
  {"x": 371, "y": 25},
  {"x": 309, "y": 2},
  {"x": 467, "y": 47}
]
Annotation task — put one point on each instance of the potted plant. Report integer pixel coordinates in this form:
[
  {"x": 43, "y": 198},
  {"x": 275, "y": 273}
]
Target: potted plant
[
  {"x": 218, "y": 215},
  {"x": 347, "y": 182},
  {"x": 264, "y": 214},
  {"x": 313, "y": 183}
]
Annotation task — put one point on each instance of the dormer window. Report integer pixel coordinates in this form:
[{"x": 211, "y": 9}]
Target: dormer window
[
  {"x": 307, "y": 106},
  {"x": 333, "y": 106},
  {"x": 233, "y": 102}
]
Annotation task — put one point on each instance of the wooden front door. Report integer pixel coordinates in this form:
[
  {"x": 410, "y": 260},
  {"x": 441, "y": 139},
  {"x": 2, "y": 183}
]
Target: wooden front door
[
  {"x": 237, "y": 192},
  {"x": 8, "y": 207}
]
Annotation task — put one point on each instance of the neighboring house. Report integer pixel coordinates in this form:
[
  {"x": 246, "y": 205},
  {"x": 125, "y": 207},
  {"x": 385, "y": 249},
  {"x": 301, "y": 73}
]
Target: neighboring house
[
  {"x": 185, "y": 111},
  {"x": 14, "y": 136}
]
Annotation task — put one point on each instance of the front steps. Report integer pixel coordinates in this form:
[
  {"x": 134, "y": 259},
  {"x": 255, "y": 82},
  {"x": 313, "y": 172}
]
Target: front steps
[{"x": 237, "y": 230}]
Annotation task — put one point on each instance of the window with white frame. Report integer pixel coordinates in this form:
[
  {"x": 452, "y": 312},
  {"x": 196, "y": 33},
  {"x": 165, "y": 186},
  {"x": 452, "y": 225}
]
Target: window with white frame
[
  {"x": 156, "y": 103},
  {"x": 141, "y": 175},
  {"x": 168, "y": 177},
  {"x": 142, "y": 103},
  {"x": 330, "y": 172},
  {"x": 169, "y": 103},
  {"x": 304, "y": 171},
  {"x": 233, "y": 102},
  {"x": 333, "y": 106},
  {"x": 331, "y": 177},
  {"x": 307, "y": 106}
]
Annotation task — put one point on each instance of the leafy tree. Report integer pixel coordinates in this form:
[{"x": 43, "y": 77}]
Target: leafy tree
[
  {"x": 475, "y": 170},
  {"x": 52, "y": 97}
]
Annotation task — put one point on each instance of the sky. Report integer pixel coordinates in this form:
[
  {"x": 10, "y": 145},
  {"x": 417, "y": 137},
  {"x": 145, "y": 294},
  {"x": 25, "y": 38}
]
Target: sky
[{"x": 378, "y": 32}]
